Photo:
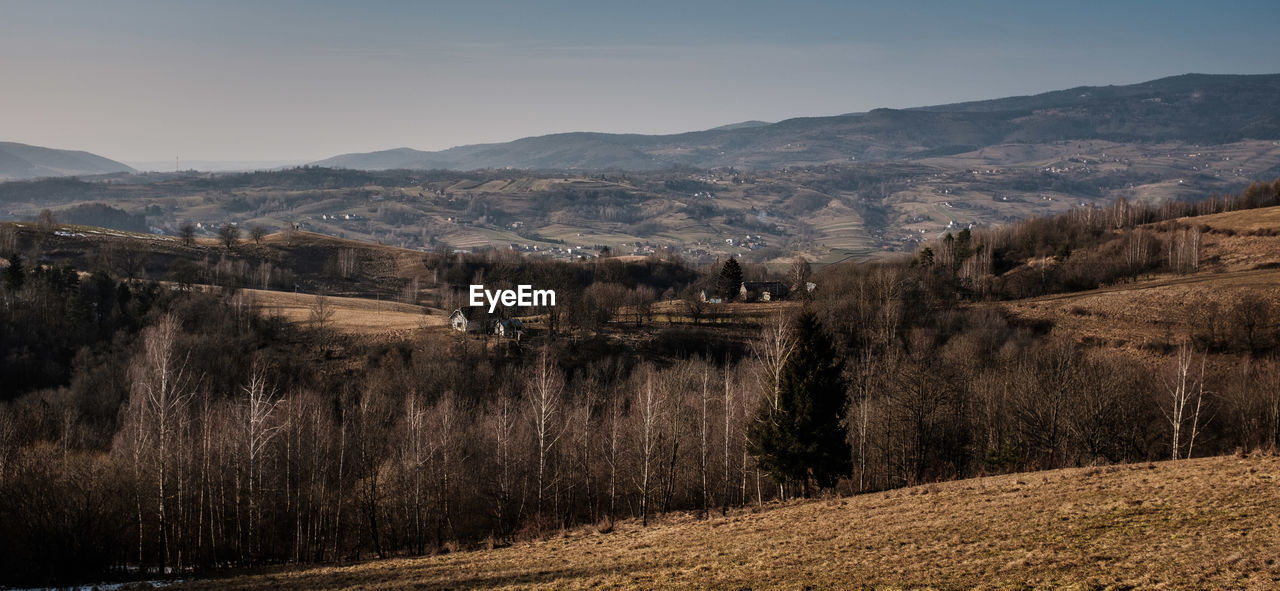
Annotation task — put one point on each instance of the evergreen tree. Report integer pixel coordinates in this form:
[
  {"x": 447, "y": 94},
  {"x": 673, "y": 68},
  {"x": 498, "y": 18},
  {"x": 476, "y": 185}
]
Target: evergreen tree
[
  {"x": 14, "y": 275},
  {"x": 804, "y": 439},
  {"x": 730, "y": 281}
]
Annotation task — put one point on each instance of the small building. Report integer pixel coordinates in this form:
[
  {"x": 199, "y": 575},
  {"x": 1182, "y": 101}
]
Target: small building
[
  {"x": 458, "y": 321},
  {"x": 764, "y": 291},
  {"x": 709, "y": 298},
  {"x": 510, "y": 328}
]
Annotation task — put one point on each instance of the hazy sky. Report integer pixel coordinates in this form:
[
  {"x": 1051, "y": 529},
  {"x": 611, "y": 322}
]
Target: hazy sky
[{"x": 228, "y": 80}]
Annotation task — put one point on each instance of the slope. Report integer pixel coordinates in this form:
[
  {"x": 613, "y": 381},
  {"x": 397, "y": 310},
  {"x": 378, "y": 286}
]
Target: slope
[
  {"x": 21, "y": 161},
  {"x": 1203, "y": 523},
  {"x": 1240, "y": 259},
  {"x": 1193, "y": 108}
]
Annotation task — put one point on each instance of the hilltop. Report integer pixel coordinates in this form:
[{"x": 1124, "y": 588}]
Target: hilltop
[
  {"x": 22, "y": 161},
  {"x": 1203, "y": 523},
  {"x": 1193, "y": 108}
]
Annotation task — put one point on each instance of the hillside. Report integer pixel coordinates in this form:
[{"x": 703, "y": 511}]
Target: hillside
[
  {"x": 1203, "y": 523},
  {"x": 1193, "y": 108},
  {"x": 1240, "y": 260},
  {"x": 286, "y": 261},
  {"x": 21, "y": 161}
]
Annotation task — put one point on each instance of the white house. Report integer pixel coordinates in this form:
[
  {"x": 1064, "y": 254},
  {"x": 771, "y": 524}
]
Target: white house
[{"x": 458, "y": 321}]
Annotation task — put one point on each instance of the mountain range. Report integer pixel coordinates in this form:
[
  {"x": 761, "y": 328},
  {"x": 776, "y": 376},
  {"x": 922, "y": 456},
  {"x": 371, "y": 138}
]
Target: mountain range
[
  {"x": 22, "y": 161},
  {"x": 1193, "y": 108},
  {"x": 1196, "y": 108}
]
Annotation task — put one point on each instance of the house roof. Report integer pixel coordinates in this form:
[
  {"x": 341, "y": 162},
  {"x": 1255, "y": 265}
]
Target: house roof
[{"x": 763, "y": 284}]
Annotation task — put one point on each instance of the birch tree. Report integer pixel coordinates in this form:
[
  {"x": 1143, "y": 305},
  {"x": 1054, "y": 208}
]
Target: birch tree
[
  {"x": 159, "y": 393},
  {"x": 259, "y": 431},
  {"x": 647, "y": 433},
  {"x": 546, "y": 391},
  {"x": 772, "y": 349},
  {"x": 1185, "y": 400}
]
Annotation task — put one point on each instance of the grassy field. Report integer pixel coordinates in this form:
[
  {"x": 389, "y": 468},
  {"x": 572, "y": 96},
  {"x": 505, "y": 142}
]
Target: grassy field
[
  {"x": 1134, "y": 315},
  {"x": 1159, "y": 309},
  {"x": 357, "y": 316},
  {"x": 1267, "y": 218},
  {"x": 1211, "y": 523}
]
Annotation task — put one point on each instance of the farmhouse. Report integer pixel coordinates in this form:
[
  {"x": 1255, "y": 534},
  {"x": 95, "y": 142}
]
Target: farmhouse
[
  {"x": 764, "y": 291},
  {"x": 458, "y": 321},
  {"x": 508, "y": 328}
]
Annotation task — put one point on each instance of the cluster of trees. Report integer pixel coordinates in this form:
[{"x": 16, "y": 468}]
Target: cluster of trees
[
  {"x": 421, "y": 453},
  {"x": 1082, "y": 249},
  {"x": 941, "y": 391},
  {"x": 237, "y": 453}
]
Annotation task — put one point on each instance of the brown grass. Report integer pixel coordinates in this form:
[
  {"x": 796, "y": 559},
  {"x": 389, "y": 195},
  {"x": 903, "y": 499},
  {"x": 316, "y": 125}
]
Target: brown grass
[
  {"x": 1208, "y": 523},
  {"x": 356, "y": 316},
  {"x": 1138, "y": 315},
  {"x": 1247, "y": 220}
]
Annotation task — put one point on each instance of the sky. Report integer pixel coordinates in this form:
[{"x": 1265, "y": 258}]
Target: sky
[{"x": 146, "y": 81}]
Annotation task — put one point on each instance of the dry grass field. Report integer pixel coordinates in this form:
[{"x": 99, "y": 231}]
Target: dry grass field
[
  {"x": 1267, "y": 218},
  {"x": 1159, "y": 309},
  {"x": 354, "y": 316},
  {"x": 1133, "y": 315},
  {"x": 1211, "y": 523},
  {"x": 738, "y": 313}
]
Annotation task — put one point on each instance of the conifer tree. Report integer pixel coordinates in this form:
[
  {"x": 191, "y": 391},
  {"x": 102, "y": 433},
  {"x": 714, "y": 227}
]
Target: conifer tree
[
  {"x": 14, "y": 274},
  {"x": 804, "y": 439},
  {"x": 730, "y": 279}
]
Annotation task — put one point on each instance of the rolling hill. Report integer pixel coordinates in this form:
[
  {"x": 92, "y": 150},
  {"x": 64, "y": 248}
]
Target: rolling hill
[
  {"x": 22, "y": 161},
  {"x": 1194, "y": 108},
  {"x": 1203, "y": 523}
]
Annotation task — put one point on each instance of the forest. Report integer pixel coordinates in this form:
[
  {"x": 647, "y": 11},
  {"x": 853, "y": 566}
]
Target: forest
[{"x": 150, "y": 429}]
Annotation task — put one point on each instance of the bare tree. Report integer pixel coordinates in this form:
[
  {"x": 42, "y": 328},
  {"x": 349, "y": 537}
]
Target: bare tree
[
  {"x": 444, "y": 423},
  {"x": 8, "y": 240},
  {"x": 257, "y": 232},
  {"x": 772, "y": 349},
  {"x": 502, "y": 424},
  {"x": 798, "y": 275},
  {"x": 415, "y": 454},
  {"x": 259, "y": 430},
  {"x": 368, "y": 432},
  {"x": 159, "y": 394},
  {"x": 727, "y": 407},
  {"x": 348, "y": 262},
  {"x": 613, "y": 449},
  {"x": 546, "y": 391},
  {"x": 865, "y": 375},
  {"x": 704, "y": 431},
  {"x": 321, "y": 313},
  {"x": 264, "y": 272},
  {"x": 229, "y": 234},
  {"x": 46, "y": 221},
  {"x": 187, "y": 232},
  {"x": 1183, "y": 250},
  {"x": 1185, "y": 397},
  {"x": 650, "y": 415}
]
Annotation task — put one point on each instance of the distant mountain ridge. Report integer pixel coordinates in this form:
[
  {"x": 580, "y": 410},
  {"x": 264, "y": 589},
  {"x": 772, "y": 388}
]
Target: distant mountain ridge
[
  {"x": 22, "y": 161},
  {"x": 1198, "y": 108}
]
